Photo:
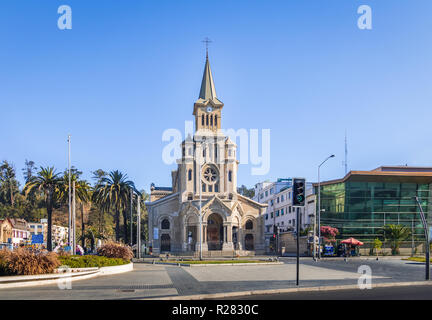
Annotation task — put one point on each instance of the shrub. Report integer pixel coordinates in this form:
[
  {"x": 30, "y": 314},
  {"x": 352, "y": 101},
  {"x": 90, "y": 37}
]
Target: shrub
[
  {"x": 116, "y": 250},
  {"x": 25, "y": 262},
  {"x": 90, "y": 261}
]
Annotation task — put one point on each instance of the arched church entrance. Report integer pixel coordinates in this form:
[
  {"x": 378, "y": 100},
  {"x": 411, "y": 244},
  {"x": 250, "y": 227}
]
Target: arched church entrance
[
  {"x": 214, "y": 232},
  {"x": 249, "y": 242},
  {"x": 165, "y": 243}
]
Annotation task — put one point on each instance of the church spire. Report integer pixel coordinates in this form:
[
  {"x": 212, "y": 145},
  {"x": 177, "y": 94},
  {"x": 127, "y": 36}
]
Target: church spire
[{"x": 208, "y": 90}]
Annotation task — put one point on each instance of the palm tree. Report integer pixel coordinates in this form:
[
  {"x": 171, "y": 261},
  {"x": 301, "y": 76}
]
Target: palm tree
[
  {"x": 396, "y": 233},
  {"x": 47, "y": 181},
  {"x": 82, "y": 194},
  {"x": 113, "y": 193}
]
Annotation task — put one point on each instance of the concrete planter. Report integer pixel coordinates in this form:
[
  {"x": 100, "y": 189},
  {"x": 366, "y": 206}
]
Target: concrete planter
[{"x": 55, "y": 278}]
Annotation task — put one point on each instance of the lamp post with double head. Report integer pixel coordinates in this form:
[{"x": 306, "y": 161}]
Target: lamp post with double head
[{"x": 319, "y": 207}]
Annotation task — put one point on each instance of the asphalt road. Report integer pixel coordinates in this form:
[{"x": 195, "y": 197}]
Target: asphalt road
[
  {"x": 391, "y": 293},
  {"x": 157, "y": 281}
]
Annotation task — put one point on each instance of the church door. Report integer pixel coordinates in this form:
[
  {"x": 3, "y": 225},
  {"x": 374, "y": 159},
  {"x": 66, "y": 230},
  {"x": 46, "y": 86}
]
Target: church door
[
  {"x": 249, "y": 242},
  {"x": 165, "y": 243},
  {"x": 214, "y": 232}
]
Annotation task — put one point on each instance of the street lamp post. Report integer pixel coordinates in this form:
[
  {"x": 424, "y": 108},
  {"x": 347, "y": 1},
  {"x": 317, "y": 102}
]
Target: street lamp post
[
  {"x": 69, "y": 194},
  {"x": 201, "y": 159},
  {"x": 319, "y": 207}
]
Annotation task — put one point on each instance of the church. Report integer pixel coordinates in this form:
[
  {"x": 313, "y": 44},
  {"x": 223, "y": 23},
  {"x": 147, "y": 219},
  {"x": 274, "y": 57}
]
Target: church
[{"x": 202, "y": 213}]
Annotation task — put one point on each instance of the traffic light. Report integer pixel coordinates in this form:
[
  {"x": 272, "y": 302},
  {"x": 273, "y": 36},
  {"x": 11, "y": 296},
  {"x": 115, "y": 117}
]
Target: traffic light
[{"x": 299, "y": 195}]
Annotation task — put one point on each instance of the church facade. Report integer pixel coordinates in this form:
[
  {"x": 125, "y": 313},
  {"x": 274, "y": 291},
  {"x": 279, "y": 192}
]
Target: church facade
[{"x": 203, "y": 196}]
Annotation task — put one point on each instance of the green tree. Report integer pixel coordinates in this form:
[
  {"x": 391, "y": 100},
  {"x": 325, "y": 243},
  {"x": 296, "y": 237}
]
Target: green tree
[
  {"x": 395, "y": 233},
  {"x": 29, "y": 170},
  {"x": 113, "y": 193},
  {"x": 9, "y": 186},
  {"x": 48, "y": 182},
  {"x": 377, "y": 244},
  {"x": 82, "y": 193},
  {"x": 244, "y": 191}
]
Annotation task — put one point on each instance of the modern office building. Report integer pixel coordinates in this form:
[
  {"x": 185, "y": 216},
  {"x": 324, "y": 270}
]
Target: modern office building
[{"x": 362, "y": 202}]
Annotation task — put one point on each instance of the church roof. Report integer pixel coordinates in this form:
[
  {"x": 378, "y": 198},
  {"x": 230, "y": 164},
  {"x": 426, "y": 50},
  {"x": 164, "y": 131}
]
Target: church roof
[{"x": 208, "y": 90}]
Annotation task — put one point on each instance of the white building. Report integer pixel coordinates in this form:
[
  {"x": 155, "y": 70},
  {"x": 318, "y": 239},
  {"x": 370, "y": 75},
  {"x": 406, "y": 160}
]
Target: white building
[
  {"x": 59, "y": 233},
  {"x": 20, "y": 233},
  {"x": 280, "y": 212}
]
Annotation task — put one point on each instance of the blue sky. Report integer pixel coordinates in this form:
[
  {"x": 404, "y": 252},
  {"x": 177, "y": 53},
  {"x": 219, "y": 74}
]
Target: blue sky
[{"x": 128, "y": 70}]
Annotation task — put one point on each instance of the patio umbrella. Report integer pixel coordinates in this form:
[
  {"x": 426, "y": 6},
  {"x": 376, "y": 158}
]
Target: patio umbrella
[{"x": 353, "y": 242}]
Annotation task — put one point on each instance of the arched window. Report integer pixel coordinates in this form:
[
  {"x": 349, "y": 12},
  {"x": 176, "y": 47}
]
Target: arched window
[
  {"x": 165, "y": 224},
  {"x": 207, "y": 120},
  {"x": 249, "y": 225},
  {"x": 216, "y": 120},
  {"x": 202, "y": 120},
  {"x": 211, "y": 120},
  {"x": 190, "y": 174},
  {"x": 230, "y": 175}
]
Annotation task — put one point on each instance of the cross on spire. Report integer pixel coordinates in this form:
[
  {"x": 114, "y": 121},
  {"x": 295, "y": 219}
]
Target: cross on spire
[{"x": 207, "y": 41}]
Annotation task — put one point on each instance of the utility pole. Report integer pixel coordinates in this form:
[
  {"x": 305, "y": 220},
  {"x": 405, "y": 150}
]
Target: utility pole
[
  {"x": 131, "y": 216},
  {"x": 298, "y": 245},
  {"x": 319, "y": 206},
  {"x": 69, "y": 192},
  {"x": 73, "y": 220},
  {"x": 138, "y": 227}
]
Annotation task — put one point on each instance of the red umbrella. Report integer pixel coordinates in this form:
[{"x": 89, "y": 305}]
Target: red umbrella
[{"x": 353, "y": 242}]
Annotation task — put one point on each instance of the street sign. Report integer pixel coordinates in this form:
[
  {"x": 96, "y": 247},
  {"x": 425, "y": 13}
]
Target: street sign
[{"x": 37, "y": 239}]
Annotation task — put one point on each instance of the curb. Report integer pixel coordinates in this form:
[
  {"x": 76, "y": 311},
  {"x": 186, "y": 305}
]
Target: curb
[
  {"x": 288, "y": 290},
  {"x": 46, "y": 279},
  {"x": 179, "y": 264}
]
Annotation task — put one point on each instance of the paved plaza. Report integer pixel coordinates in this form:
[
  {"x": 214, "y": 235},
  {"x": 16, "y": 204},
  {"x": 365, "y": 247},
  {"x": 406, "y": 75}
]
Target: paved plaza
[{"x": 160, "y": 281}]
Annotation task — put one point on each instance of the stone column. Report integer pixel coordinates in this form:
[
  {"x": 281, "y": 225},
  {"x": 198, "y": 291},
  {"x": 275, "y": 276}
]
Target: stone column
[{"x": 227, "y": 245}]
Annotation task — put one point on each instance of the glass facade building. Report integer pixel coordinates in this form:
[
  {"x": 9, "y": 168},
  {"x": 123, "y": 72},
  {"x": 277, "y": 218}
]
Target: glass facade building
[{"x": 361, "y": 203}]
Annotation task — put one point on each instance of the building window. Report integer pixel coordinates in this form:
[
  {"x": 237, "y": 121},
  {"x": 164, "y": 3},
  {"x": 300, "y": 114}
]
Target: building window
[
  {"x": 277, "y": 200},
  {"x": 266, "y": 193},
  {"x": 289, "y": 208},
  {"x": 207, "y": 120},
  {"x": 203, "y": 188},
  {"x": 216, "y": 120},
  {"x": 210, "y": 187},
  {"x": 271, "y": 191},
  {"x": 282, "y": 211},
  {"x": 266, "y": 216},
  {"x": 190, "y": 174},
  {"x": 271, "y": 202},
  {"x": 165, "y": 224},
  {"x": 190, "y": 196},
  {"x": 211, "y": 120},
  {"x": 230, "y": 175},
  {"x": 277, "y": 213},
  {"x": 217, "y": 187},
  {"x": 202, "y": 120},
  {"x": 249, "y": 225},
  {"x": 271, "y": 215}
]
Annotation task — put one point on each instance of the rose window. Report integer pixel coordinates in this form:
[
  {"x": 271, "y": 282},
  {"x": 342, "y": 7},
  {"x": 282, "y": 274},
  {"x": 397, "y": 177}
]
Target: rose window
[{"x": 210, "y": 175}]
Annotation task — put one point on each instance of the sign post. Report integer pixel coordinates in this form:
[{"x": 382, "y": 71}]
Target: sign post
[
  {"x": 426, "y": 232},
  {"x": 298, "y": 201}
]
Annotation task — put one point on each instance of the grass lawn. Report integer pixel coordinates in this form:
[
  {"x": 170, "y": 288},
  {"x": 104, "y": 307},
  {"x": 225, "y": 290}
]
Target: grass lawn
[{"x": 418, "y": 259}]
